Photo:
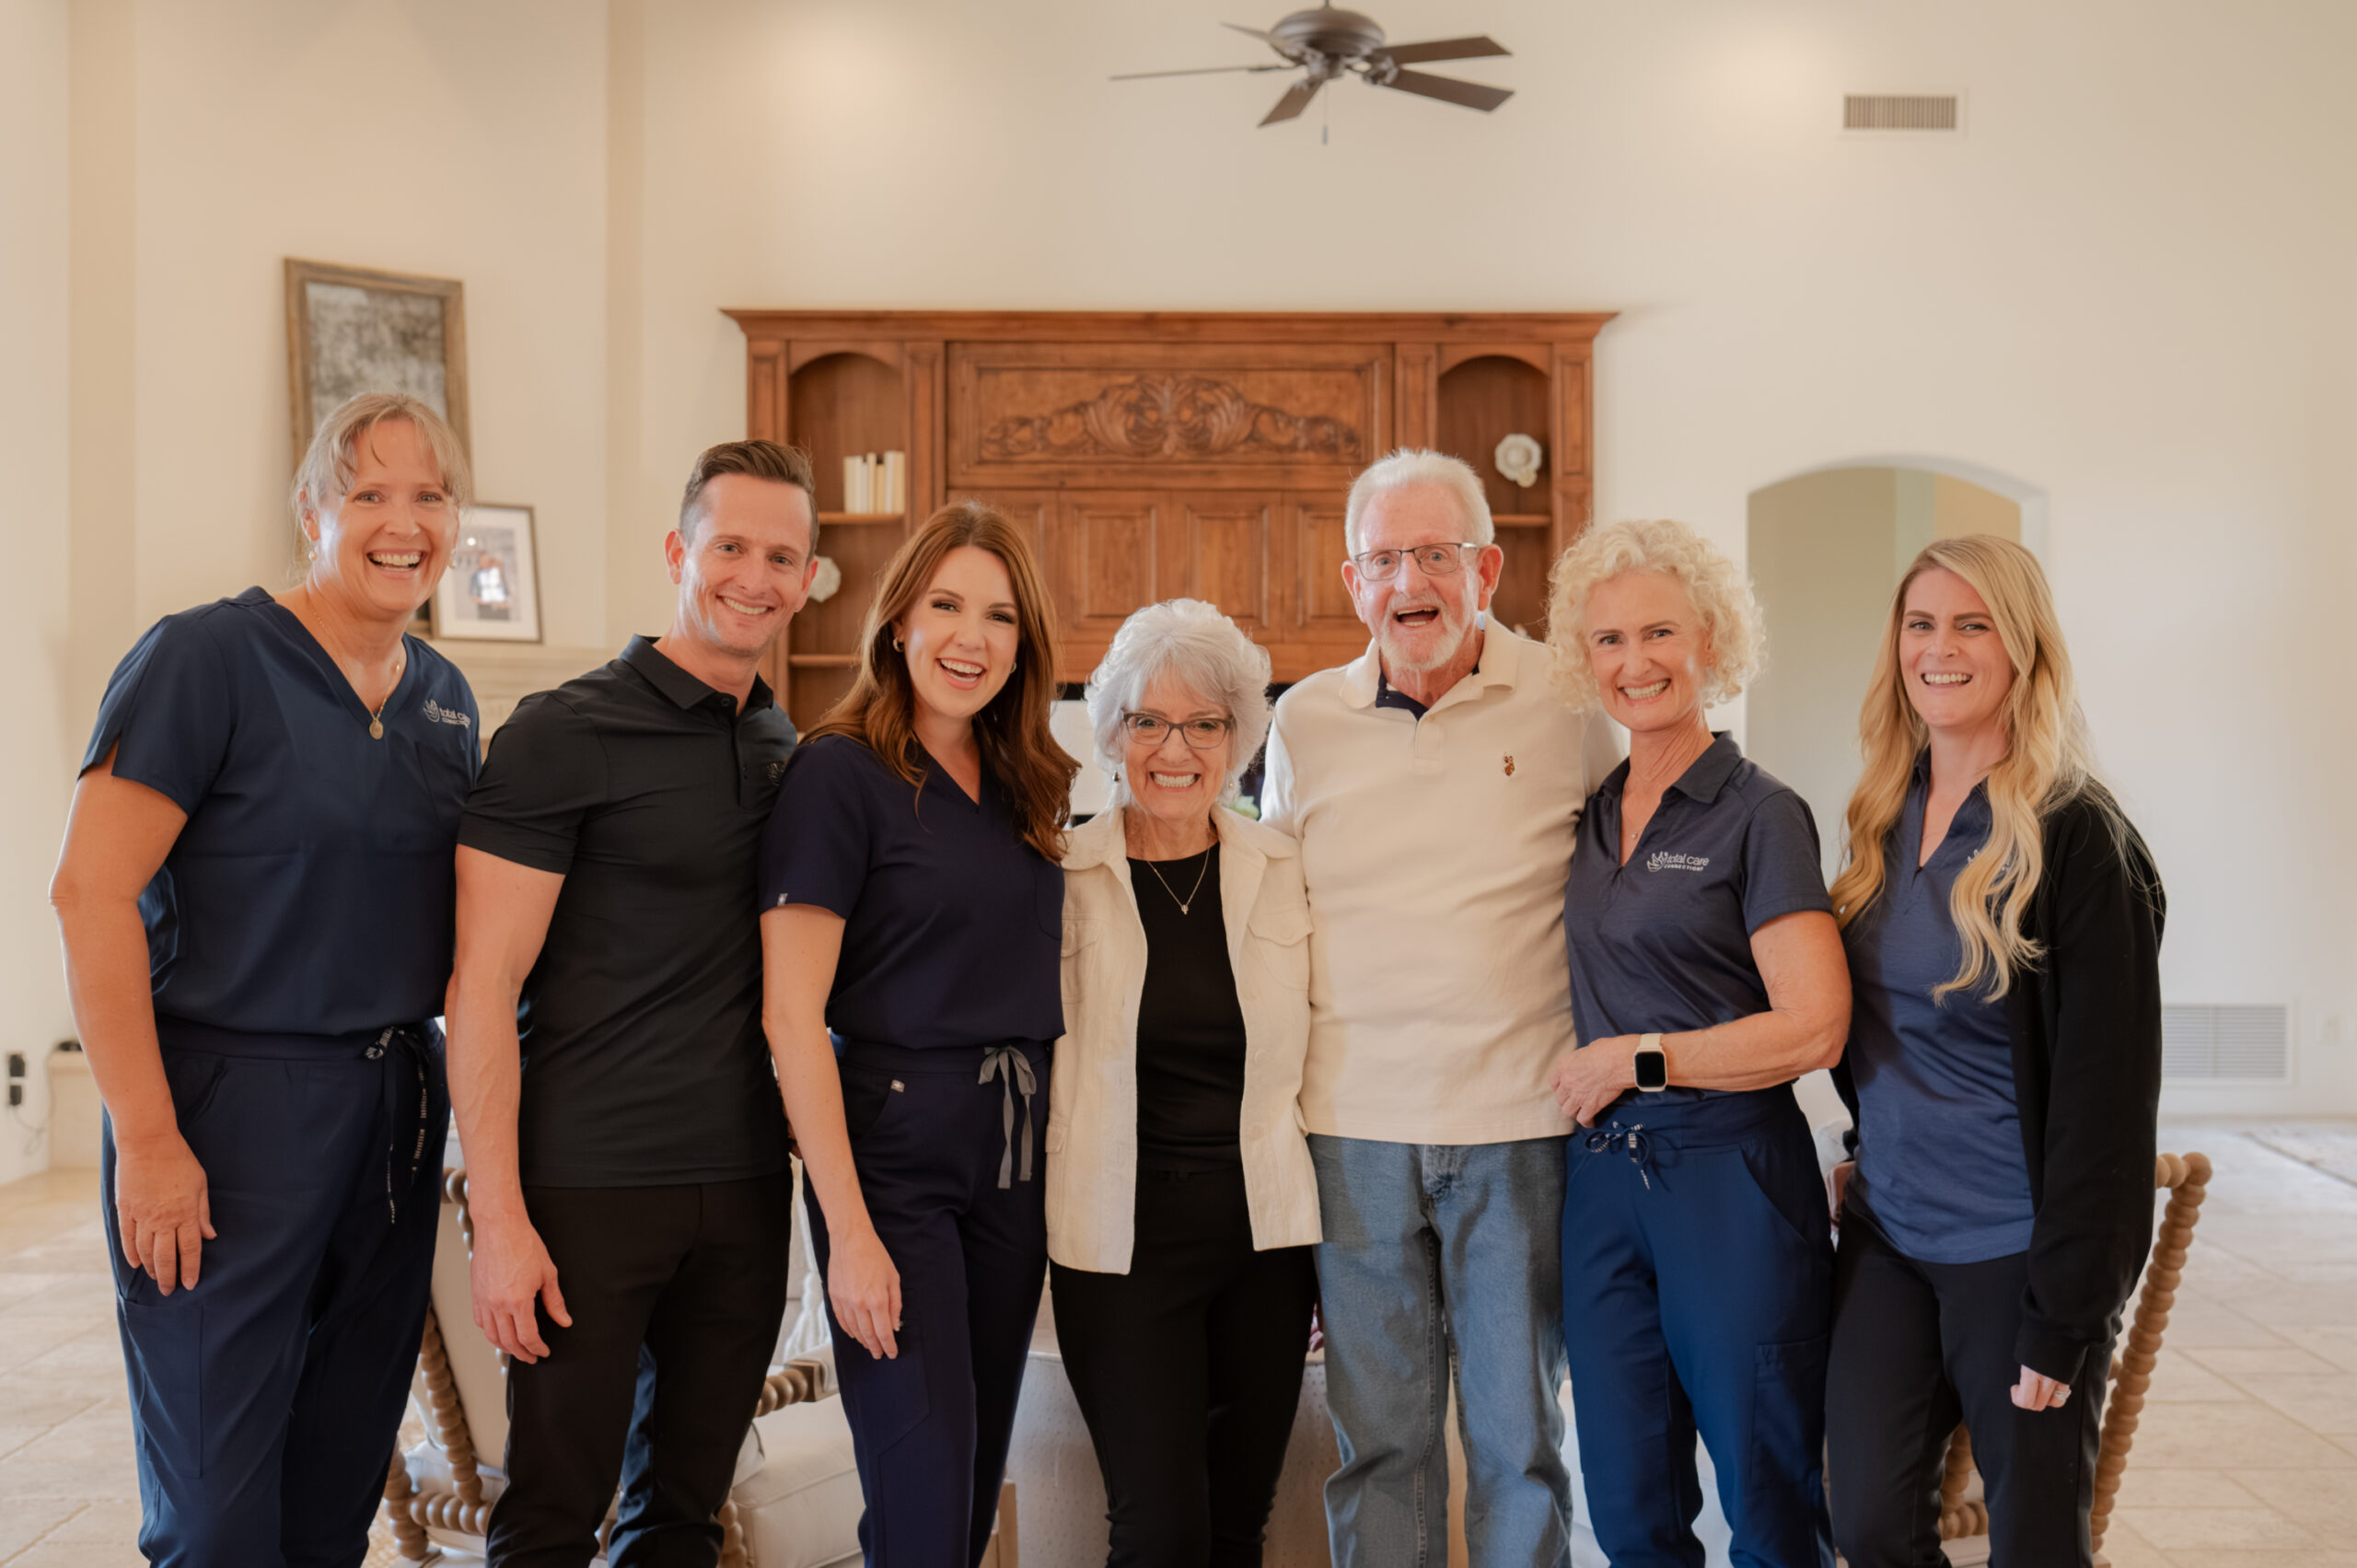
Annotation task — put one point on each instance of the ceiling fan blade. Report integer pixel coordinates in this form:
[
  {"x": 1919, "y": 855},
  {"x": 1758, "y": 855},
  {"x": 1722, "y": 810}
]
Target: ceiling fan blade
[
  {"x": 1449, "y": 89},
  {"x": 1444, "y": 49},
  {"x": 1296, "y": 98},
  {"x": 1268, "y": 37},
  {"x": 1197, "y": 71}
]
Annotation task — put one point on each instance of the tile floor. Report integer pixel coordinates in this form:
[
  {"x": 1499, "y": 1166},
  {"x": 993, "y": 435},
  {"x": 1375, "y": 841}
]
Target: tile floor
[{"x": 2247, "y": 1455}]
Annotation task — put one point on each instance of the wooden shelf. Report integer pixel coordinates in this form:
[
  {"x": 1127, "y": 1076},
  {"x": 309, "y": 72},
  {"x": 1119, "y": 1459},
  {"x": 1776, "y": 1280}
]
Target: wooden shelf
[
  {"x": 821, "y": 661},
  {"x": 1523, "y": 520},
  {"x": 828, "y": 519}
]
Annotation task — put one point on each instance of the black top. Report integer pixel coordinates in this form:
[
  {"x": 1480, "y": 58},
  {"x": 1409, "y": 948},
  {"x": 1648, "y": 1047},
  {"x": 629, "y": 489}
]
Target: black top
[
  {"x": 311, "y": 890},
  {"x": 1663, "y": 944},
  {"x": 953, "y": 924},
  {"x": 644, "y": 1064},
  {"x": 2086, "y": 1049},
  {"x": 1939, "y": 1150},
  {"x": 1191, "y": 1027}
]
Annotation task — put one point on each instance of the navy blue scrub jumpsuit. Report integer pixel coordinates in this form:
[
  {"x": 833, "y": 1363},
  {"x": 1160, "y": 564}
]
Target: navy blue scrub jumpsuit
[
  {"x": 1698, "y": 1262},
  {"x": 945, "y": 1001},
  {"x": 299, "y": 939}
]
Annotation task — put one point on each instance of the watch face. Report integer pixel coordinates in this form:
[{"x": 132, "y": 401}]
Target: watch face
[{"x": 1653, "y": 1070}]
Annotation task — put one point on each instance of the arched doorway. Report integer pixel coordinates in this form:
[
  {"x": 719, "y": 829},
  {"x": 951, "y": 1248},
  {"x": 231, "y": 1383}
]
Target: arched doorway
[{"x": 1826, "y": 547}]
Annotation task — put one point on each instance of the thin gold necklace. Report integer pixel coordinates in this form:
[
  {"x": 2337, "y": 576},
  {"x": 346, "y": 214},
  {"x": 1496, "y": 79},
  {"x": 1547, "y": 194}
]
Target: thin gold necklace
[
  {"x": 376, "y": 719},
  {"x": 1187, "y": 902}
]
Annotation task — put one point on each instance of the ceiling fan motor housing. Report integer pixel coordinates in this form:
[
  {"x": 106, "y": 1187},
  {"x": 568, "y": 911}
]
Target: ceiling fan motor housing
[{"x": 1337, "y": 34}]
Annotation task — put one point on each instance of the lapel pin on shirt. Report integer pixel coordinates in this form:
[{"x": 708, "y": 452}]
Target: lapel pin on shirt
[{"x": 1509, "y": 765}]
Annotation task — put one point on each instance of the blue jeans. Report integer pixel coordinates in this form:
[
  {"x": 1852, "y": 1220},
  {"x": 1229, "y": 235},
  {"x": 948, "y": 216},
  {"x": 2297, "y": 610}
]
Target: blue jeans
[{"x": 1440, "y": 1256}]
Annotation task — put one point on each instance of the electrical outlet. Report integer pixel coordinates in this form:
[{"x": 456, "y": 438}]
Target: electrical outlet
[
  {"x": 15, "y": 1064},
  {"x": 16, "y": 1095}
]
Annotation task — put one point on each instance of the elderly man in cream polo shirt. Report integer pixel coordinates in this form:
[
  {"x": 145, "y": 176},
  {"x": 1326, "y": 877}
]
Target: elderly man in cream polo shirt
[{"x": 1435, "y": 784}]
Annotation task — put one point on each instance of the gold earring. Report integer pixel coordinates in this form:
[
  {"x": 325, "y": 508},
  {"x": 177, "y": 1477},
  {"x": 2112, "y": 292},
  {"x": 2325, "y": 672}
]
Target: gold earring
[{"x": 899, "y": 646}]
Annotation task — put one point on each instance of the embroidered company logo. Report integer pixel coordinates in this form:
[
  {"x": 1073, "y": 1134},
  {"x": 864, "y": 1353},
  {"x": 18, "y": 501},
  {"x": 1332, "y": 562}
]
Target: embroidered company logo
[
  {"x": 1509, "y": 765},
  {"x": 1662, "y": 859},
  {"x": 436, "y": 714}
]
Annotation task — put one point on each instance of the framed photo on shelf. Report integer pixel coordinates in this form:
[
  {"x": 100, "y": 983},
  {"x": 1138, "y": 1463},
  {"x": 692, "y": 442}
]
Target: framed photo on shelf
[
  {"x": 492, "y": 592},
  {"x": 351, "y": 329}
]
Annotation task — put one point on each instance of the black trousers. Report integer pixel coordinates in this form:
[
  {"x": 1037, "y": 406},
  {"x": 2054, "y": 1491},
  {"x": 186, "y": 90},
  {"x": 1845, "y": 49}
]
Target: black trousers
[
  {"x": 1187, "y": 1369},
  {"x": 676, "y": 1294},
  {"x": 1916, "y": 1347}
]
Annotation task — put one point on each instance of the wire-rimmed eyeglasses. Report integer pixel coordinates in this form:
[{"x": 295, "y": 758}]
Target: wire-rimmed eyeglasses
[
  {"x": 1432, "y": 560},
  {"x": 1153, "y": 729}
]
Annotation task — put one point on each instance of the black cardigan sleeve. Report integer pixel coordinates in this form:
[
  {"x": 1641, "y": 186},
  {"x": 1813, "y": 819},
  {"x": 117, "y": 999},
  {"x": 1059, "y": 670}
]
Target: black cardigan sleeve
[{"x": 2089, "y": 1084}]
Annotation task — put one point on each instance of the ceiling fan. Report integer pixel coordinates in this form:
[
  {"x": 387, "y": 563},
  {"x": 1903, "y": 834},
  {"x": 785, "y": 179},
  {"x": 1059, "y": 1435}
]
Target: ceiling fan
[{"x": 1328, "y": 42}]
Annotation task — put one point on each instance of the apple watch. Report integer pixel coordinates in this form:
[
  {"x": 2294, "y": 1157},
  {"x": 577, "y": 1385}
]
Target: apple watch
[{"x": 1653, "y": 1064}]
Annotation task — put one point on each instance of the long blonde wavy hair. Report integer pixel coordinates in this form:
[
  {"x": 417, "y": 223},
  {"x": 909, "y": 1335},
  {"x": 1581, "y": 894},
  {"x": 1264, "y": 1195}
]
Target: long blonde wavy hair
[{"x": 2047, "y": 761}]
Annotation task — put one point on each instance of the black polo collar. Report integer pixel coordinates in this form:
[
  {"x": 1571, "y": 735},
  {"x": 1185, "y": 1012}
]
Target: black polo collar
[{"x": 682, "y": 689}]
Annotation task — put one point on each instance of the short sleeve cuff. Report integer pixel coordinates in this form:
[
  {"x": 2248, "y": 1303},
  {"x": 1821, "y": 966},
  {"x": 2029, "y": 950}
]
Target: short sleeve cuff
[
  {"x": 1762, "y": 911},
  {"x": 508, "y": 841}
]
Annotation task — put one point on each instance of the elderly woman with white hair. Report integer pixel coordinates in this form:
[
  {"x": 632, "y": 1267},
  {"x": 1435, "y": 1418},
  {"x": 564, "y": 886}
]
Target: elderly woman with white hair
[
  {"x": 1706, "y": 976},
  {"x": 1182, "y": 1200}
]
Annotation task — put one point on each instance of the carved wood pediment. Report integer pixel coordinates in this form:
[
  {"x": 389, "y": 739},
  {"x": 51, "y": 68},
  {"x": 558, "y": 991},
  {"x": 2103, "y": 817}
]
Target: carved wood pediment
[{"x": 1170, "y": 418}]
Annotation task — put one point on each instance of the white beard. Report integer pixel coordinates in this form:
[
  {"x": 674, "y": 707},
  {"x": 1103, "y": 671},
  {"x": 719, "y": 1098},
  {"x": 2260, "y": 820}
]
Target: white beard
[{"x": 1439, "y": 651}]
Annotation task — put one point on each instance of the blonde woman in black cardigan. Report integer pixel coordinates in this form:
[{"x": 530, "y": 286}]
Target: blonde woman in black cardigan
[{"x": 2003, "y": 921}]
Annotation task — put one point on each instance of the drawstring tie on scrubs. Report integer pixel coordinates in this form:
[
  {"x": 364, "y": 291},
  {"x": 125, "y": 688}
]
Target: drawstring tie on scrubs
[
  {"x": 1013, "y": 1069},
  {"x": 1639, "y": 1148},
  {"x": 405, "y": 1055}
]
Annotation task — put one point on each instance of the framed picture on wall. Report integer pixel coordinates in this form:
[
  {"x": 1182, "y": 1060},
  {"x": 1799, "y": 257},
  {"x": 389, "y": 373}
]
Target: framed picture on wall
[
  {"x": 492, "y": 591},
  {"x": 351, "y": 329}
]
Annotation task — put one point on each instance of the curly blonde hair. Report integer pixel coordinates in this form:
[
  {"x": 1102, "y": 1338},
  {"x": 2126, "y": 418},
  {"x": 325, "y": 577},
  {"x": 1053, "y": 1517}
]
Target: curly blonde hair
[{"x": 1720, "y": 592}]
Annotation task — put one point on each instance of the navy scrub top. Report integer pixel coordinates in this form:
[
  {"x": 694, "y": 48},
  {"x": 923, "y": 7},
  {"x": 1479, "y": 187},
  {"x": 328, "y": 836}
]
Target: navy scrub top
[
  {"x": 953, "y": 925},
  {"x": 312, "y": 890},
  {"x": 1663, "y": 945},
  {"x": 1941, "y": 1170}
]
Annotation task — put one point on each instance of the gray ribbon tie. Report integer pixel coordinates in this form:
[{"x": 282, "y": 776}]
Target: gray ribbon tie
[{"x": 1013, "y": 1069}]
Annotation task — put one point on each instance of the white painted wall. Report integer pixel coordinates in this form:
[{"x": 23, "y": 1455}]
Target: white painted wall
[
  {"x": 33, "y": 765},
  {"x": 453, "y": 139},
  {"x": 2123, "y": 286}
]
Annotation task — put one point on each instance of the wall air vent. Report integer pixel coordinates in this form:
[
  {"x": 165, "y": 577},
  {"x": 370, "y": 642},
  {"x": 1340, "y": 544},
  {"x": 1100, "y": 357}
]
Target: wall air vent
[
  {"x": 2247, "y": 1043},
  {"x": 1903, "y": 112}
]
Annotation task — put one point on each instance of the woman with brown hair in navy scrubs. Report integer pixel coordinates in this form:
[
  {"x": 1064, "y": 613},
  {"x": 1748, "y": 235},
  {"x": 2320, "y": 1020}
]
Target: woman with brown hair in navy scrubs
[
  {"x": 256, "y": 895},
  {"x": 912, "y": 930}
]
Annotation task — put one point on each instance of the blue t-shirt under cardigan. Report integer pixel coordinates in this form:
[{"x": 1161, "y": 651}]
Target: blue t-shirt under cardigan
[{"x": 1940, "y": 1167}]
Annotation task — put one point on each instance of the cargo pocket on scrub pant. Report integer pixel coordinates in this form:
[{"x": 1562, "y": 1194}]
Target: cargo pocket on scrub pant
[
  {"x": 167, "y": 1341},
  {"x": 1786, "y": 1467}
]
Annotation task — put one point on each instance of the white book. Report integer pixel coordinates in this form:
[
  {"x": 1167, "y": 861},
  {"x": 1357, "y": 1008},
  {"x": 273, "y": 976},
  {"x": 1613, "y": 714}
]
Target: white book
[{"x": 854, "y": 470}]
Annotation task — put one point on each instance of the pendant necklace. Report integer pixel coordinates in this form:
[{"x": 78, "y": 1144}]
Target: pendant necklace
[
  {"x": 1189, "y": 902},
  {"x": 376, "y": 719}
]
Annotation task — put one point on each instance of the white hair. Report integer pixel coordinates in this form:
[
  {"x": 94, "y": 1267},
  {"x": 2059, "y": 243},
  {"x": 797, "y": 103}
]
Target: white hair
[
  {"x": 1192, "y": 642},
  {"x": 1413, "y": 465}
]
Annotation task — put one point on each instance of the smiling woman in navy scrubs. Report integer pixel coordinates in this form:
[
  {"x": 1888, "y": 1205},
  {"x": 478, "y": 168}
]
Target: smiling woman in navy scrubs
[
  {"x": 256, "y": 897},
  {"x": 1706, "y": 976},
  {"x": 912, "y": 938}
]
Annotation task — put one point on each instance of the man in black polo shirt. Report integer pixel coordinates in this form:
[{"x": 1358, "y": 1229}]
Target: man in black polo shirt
[{"x": 624, "y": 1139}]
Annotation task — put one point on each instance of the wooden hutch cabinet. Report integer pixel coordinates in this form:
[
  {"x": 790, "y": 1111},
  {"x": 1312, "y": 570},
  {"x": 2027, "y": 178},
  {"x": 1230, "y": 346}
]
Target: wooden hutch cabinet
[{"x": 1159, "y": 454}]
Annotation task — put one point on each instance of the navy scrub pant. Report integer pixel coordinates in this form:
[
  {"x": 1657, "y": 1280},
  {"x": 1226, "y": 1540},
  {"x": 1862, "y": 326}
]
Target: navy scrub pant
[
  {"x": 1698, "y": 1274},
  {"x": 266, "y": 1399},
  {"x": 930, "y": 1428}
]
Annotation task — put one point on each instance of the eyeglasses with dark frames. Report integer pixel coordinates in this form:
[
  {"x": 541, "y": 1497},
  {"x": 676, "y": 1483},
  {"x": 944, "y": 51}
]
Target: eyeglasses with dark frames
[
  {"x": 1151, "y": 729},
  {"x": 1432, "y": 560}
]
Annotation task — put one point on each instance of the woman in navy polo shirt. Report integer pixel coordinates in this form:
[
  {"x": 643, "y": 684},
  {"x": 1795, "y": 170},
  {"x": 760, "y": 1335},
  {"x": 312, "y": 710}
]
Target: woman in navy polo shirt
[
  {"x": 1706, "y": 975},
  {"x": 912, "y": 937},
  {"x": 256, "y": 896},
  {"x": 2003, "y": 926}
]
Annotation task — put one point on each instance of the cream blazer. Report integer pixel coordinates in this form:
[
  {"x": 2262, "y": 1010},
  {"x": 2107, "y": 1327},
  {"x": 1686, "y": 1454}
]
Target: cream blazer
[{"x": 1093, "y": 1095}]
